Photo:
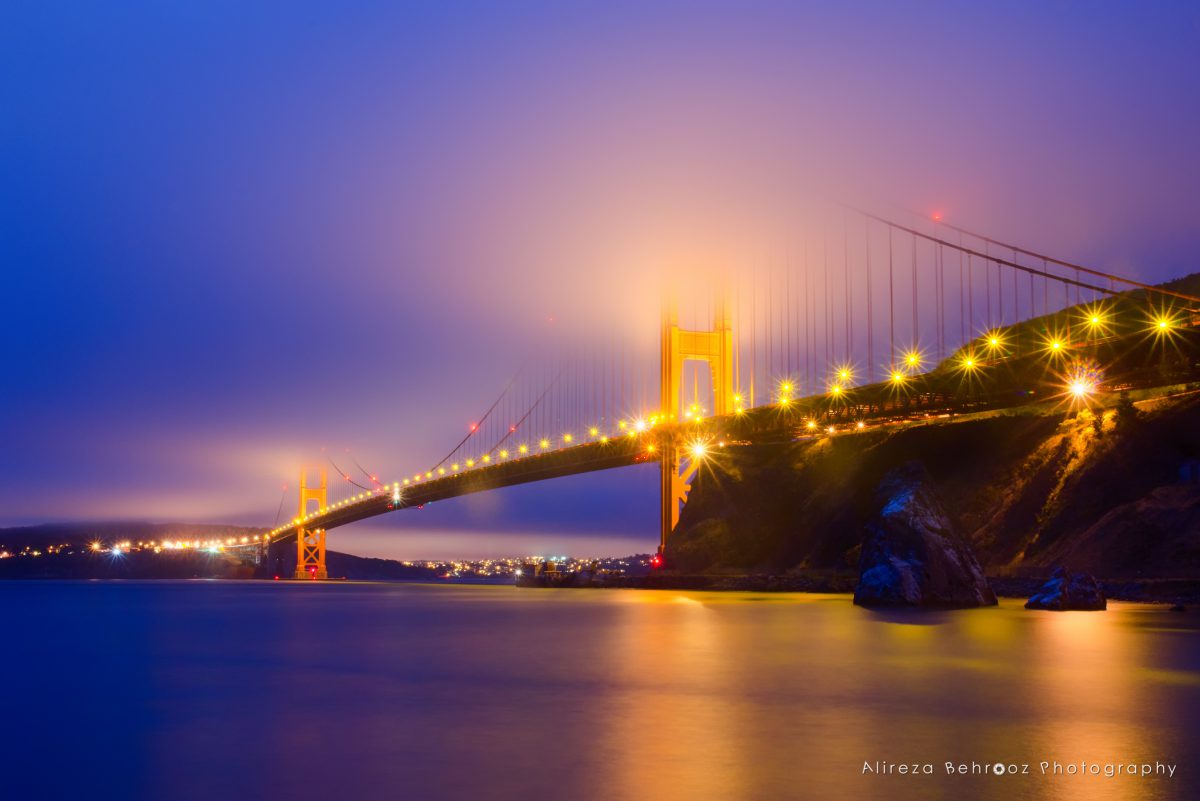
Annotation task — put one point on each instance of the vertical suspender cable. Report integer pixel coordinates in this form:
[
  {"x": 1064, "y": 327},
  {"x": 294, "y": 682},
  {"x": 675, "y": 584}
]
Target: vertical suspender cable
[
  {"x": 870, "y": 303},
  {"x": 962, "y": 303},
  {"x": 849, "y": 290},
  {"x": 915, "y": 331},
  {"x": 891, "y": 305}
]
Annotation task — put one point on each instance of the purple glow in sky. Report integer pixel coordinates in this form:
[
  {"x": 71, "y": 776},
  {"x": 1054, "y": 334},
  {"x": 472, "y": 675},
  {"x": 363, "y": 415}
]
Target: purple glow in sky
[{"x": 207, "y": 206}]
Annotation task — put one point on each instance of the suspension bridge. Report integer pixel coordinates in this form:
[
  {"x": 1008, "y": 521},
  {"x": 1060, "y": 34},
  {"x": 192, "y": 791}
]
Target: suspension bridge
[{"x": 867, "y": 322}]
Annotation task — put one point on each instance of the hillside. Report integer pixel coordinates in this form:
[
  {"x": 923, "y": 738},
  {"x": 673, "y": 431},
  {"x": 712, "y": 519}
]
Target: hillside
[{"x": 1112, "y": 492}]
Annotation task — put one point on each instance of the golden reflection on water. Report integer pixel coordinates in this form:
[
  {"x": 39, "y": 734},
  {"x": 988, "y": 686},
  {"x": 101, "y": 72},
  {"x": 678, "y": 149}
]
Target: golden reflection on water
[
  {"x": 669, "y": 660},
  {"x": 741, "y": 696},
  {"x": 1087, "y": 679}
]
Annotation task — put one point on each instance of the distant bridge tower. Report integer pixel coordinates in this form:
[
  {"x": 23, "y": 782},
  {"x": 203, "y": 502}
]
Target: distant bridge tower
[
  {"x": 310, "y": 543},
  {"x": 714, "y": 346}
]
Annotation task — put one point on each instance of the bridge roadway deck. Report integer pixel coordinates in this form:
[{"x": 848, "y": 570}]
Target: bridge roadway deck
[{"x": 584, "y": 458}]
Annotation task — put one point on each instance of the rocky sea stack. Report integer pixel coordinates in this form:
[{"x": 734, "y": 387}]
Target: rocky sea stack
[
  {"x": 1065, "y": 592},
  {"x": 913, "y": 554}
]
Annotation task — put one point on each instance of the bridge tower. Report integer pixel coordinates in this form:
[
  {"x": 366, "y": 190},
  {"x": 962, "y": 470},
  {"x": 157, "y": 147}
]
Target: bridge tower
[
  {"x": 310, "y": 543},
  {"x": 714, "y": 346}
]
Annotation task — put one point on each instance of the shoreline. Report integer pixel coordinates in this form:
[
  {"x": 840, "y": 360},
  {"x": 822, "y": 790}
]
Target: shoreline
[
  {"x": 1151, "y": 590},
  {"x": 1170, "y": 591}
]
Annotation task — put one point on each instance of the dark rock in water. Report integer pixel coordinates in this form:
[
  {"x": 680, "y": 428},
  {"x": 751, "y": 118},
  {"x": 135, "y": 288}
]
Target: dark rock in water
[
  {"x": 912, "y": 554},
  {"x": 1065, "y": 592}
]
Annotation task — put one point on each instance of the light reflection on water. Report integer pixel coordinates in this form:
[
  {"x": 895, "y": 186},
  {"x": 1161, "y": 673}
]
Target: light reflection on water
[{"x": 221, "y": 690}]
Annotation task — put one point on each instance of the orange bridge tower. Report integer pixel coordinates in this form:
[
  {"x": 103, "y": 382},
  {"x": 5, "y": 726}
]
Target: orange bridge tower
[
  {"x": 310, "y": 543},
  {"x": 714, "y": 346}
]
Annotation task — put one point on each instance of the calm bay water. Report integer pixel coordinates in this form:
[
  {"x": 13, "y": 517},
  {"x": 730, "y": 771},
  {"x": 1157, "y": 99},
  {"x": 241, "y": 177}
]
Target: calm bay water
[{"x": 210, "y": 690}]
